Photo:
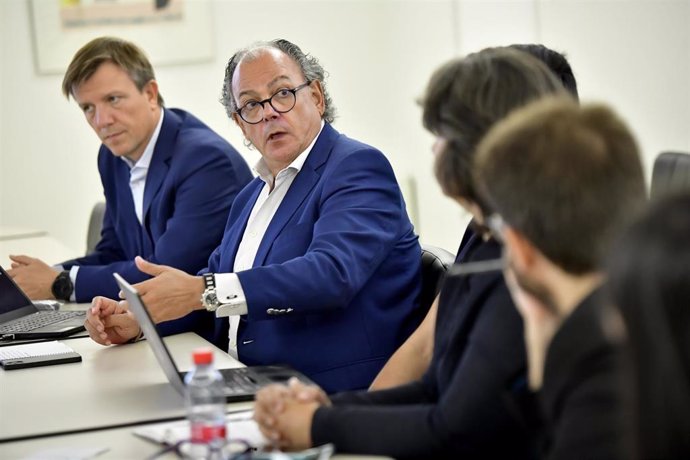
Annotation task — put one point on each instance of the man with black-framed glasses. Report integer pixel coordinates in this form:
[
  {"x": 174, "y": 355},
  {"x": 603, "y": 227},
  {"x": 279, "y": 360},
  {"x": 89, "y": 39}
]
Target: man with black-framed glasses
[{"x": 319, "y": 266}]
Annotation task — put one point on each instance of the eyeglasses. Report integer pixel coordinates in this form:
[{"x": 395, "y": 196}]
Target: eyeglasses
[
  {"x": 230, "y": 450},
  {"x": 476, "y": 268},
  {"x": 282, "y": 101}
]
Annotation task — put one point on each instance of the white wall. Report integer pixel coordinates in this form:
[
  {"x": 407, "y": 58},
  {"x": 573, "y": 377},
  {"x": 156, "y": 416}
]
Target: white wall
[{"x": 633, "y": 54}]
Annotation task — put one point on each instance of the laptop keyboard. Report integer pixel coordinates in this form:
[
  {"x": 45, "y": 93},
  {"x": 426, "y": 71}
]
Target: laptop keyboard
[
  {"x": 38, "y": 320},
  {"x": 238, "y": 381}
]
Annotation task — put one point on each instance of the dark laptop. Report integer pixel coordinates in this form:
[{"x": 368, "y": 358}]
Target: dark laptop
[
  {"x": 240, "y": 383},
  {"x": 20, "y": 319}
]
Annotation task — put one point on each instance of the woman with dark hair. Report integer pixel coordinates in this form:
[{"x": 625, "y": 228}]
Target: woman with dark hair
[
  {"x": 412, "y": 358},
  {"x": 458, "y": 408},
  {"x": 649, "y": 280}
]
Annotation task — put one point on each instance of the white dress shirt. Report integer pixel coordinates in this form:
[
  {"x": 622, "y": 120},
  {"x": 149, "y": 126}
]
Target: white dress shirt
[
  {"x": 228, "y": 287},
  {"x": 137, "y": 184}
]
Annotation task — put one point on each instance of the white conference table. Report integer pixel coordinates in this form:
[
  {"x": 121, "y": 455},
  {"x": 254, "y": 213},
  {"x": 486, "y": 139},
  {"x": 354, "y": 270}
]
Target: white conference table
[
  {"x": 33, "y": 243},
  {"x": 98, "y": 402},
  {"x": 119, "y": 444},
  {"x": 8, "y": 232},
  {"x": 112, "y": 386}
]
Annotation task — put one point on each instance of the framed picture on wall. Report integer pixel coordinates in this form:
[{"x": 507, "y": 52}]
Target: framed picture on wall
[{"x": 170, "y": 31}]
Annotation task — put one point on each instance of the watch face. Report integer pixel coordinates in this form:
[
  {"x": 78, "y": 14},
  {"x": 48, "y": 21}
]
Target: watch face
[
  {"x": 210, "y": 300},
  {"x": 62, "y": 287}
]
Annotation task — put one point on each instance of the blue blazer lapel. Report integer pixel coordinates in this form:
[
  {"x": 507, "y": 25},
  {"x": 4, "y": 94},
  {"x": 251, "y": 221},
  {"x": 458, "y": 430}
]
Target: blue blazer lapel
[
  {"x": 305, "y": 181},
  {"x": 160, "y": 162}
]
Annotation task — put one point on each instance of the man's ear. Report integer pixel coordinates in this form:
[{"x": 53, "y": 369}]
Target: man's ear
[
  {"x": 150, "y": 90},
  {"x": 318, "y": 96},
  {"x": 521, "y": 251}
]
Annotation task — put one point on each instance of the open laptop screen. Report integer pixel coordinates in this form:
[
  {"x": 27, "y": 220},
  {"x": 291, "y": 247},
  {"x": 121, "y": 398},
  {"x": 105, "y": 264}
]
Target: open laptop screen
[{"x": 11, "y": 297}]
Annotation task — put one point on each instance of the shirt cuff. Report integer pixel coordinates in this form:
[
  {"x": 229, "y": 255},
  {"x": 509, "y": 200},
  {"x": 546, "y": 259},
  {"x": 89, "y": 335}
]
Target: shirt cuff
[
  {"x": 230, "y": 294},
  {"x": 73, "y": 276}
]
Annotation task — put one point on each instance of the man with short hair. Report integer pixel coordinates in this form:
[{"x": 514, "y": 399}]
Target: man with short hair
[
  {"x": 560, "y": 181},
  {"x": 319, "y": 266},
  {"x": 168, "y": 179}
]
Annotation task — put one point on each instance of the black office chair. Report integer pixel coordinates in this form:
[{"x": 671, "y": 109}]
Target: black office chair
[
  {"x": 671, "y": 174},
  {"x": 435, "y": 262},
  {"x": 93, "y": 234}
]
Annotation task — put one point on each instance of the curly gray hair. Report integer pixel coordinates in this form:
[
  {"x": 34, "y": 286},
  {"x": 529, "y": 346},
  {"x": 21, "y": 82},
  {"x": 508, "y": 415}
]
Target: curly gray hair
[{"x": 310, "y": 66}]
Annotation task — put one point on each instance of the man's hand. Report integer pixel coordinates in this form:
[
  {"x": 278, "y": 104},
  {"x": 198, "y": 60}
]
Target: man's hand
[
  {"x": 269, "y": 402},
  {"x": 294, "y": 424},
  {"x": 284, "y": 413},
  {"x": 307, "y": 393},
  {"x": 110, "y": 322},
  {"x": 171, "y": 293},
  {"x": 33, "y": 276}
]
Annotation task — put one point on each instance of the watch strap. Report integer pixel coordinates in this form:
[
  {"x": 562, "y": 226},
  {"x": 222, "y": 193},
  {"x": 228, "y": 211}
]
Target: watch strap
[{"x": 62, "y": 286}]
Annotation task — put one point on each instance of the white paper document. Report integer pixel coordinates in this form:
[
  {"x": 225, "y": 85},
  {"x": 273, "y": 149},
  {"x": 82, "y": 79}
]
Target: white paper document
[
  {"x": 240, "y": 425},
  {"x": 28, "y": 350}
]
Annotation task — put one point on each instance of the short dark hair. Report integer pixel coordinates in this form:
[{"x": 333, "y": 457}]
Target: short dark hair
[
  {"x": 466, "y": 96},
  {"x": 649, "y": 280},
  {"x": 310, "y": 66},
  {"x": 566, "y": 177},
  {"x": 555, "y": 61},
  {"x": 122, "y": 53}
]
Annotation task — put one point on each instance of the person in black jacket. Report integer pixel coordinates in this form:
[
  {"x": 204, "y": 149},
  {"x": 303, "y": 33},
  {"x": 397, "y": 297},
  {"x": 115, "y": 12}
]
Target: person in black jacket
[
  {"x": 412, "y": 358},
  {"x": 560, "y": 182},
  {"x": 649, "y": 280},
  {"x": 458, "y": 408}
]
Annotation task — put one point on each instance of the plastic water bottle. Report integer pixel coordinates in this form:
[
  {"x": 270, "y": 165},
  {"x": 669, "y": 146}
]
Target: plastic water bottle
[{"x": 205, "y": 403}]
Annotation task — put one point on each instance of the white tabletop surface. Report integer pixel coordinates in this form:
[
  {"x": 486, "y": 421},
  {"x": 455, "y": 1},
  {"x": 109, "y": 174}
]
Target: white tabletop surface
[
  {"x": 111, "y": 386},
  {"x": 43, "y": 246},
  {"x": 8, "y": 232},
  {"x": 118, "y": 443}
]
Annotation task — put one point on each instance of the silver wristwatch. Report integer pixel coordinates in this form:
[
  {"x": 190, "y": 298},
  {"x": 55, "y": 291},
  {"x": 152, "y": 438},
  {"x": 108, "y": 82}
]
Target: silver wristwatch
[{"x": 209, "y": 298}]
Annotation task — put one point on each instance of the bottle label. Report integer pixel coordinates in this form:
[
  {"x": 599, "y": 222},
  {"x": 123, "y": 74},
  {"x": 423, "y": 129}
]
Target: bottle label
[{"x": 203, "y": 433}]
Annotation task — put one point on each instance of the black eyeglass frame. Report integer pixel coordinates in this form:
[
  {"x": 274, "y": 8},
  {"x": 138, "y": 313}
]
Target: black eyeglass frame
[{"x": 262, "y": 103}]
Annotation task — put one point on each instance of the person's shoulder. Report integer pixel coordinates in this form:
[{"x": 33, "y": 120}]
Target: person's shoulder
[
  {"x": 189, "y": 125},
  {"x": 345, "y": 145},
  {"x": 194, "y": 136},
  {"x": 345, "y": 152}
]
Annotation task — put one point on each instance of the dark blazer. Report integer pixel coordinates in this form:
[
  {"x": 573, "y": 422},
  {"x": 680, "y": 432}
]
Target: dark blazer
[
  {"x": 586, "y": 398},
  {"x": 340, "y": 257},
  {"x": 192, "y": 180},
  {"x": 459, "y": 408}
]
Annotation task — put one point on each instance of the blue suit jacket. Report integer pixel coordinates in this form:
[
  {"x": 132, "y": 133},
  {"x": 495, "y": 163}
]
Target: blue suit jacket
[
  {"x": 342, "y": 254},
  {"x": 192, "y": 180}
]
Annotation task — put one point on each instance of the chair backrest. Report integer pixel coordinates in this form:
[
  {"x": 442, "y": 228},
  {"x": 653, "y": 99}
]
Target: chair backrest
[
  {"x": 93, "y": 234},
  {"x": 435, "y": 262},
  {"x": 671, "y": 173}
]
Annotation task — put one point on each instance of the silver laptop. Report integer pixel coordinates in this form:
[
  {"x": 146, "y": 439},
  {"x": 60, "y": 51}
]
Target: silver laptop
[
  {"x": 240, "y": 383},
  {"x": 20, "y": 319}
]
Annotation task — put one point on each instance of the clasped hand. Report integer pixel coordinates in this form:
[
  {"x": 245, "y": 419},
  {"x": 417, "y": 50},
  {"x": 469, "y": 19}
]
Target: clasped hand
[
  {"x": 170, "y": 294},
  {"x": 284, "y": 413}
]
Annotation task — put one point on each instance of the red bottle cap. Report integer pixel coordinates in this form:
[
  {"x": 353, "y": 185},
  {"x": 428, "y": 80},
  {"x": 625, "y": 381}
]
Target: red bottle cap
[{"x": 202, "y": 356}]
